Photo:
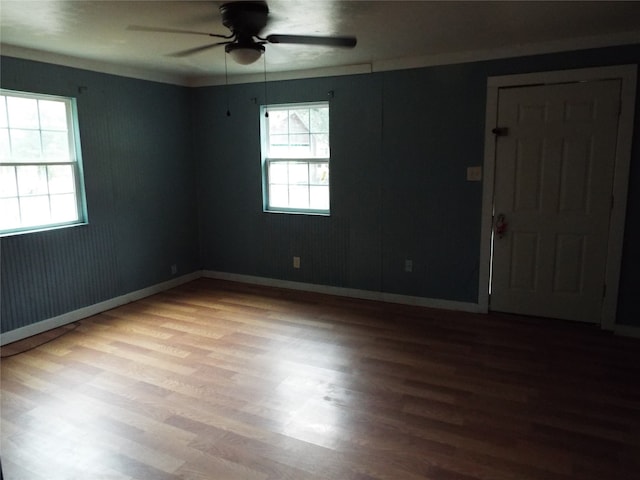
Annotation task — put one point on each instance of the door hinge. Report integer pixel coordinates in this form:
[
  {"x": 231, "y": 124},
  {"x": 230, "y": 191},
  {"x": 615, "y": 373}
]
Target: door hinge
[
  {"x": 500, "y": 131},
  {"x": 604, "y": 290},
  {"x": 612, "y": 202}
]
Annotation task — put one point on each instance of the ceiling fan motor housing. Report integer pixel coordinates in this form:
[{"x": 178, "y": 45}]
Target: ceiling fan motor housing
[{"x": 245, "y": 18}]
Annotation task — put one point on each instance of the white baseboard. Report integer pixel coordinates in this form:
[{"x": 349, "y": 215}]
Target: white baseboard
[
  {"x": 70, "y": 317},
  {"x": 347, "y": 292},
  {"x": 627, "y": 331},
  {"x": 75, "y": 315}
]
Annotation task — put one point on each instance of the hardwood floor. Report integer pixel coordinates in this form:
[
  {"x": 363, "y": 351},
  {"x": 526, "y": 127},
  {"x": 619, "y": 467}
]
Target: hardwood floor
[{"x": 215, "y": 380}]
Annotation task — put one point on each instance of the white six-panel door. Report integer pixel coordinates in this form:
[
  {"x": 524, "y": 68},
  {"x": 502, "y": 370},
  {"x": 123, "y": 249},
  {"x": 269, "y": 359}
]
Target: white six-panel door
[{"x": 554, "y": 169}]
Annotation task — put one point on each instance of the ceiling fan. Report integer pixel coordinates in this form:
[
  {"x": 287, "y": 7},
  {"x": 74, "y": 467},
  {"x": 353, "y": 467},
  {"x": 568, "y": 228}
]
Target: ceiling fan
[{"x": 246, "y": 19}]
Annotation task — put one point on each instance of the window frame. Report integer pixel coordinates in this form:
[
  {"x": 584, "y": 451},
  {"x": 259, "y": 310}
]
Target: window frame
[
  {"x": 267, "y": 160},
  {"x": 74, "y": 161}
]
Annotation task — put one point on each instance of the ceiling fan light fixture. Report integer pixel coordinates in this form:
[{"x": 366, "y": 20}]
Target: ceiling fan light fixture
[{"x": 245, "y": 54}]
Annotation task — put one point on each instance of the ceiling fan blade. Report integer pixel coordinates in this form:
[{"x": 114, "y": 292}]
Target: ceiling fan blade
[
  {"x": 142, "y": 28},
  {"x": 192, "y": 51},
  {"x": 337, "y": 41}
]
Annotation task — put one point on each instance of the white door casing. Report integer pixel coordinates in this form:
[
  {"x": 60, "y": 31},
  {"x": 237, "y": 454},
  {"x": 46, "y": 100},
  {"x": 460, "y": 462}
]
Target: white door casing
[{"x": 561, "y": 234}]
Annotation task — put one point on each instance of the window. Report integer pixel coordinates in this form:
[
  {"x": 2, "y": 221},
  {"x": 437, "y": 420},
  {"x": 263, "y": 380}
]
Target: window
[
  {"x": 295, "y": 158},
  {"x": 40, "y": 170}
]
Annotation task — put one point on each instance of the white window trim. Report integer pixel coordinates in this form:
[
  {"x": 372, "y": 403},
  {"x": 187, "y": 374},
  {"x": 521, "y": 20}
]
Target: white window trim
[
  {"x": 75, "y": 162},
  {"x": 265, "y": 160}
]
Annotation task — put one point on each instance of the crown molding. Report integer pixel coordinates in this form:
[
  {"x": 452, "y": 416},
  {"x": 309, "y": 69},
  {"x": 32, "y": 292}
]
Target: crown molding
[
  {"x": 521, "y": 50},
  {"x": 92, "y": 65},
  {"x": 278, "y": 76},
  {"x": 582, "y": 43}
]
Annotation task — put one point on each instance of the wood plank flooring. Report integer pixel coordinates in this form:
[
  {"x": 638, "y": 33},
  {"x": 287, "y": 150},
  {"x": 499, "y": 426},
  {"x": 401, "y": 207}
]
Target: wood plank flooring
[{"x": 215, "y": 380}]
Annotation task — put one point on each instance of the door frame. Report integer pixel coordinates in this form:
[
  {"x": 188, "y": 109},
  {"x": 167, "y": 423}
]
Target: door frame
[{"x": 627, "y": 74}]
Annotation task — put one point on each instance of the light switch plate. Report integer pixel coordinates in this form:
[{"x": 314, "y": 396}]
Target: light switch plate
[{"x": 474, "y": 174}]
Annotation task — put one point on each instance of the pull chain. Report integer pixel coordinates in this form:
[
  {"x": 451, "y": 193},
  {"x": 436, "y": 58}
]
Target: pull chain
[
  {"x": 226, "y": 83},
  {"x": 266, "y": 103}
]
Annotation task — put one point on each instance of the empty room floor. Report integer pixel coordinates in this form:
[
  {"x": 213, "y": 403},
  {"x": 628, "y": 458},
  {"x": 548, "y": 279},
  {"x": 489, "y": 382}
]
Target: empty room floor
[{"x": 217, "y": 380}]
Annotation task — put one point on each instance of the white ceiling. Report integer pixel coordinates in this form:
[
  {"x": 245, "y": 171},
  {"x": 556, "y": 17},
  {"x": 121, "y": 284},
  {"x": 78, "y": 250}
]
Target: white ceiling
[{"x": 391, "y": 34}]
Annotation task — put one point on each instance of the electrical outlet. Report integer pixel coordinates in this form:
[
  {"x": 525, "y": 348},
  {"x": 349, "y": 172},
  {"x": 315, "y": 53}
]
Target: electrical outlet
[
  {"x": 296, "y": 262},
  {"x": 174, "y": 269},
  {"x": 408, "y": 266}
]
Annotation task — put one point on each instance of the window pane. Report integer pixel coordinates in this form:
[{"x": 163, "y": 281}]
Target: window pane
[
  {"x": 279, "y": 140},
  {"x": 9, "y": 213},
  {"x": 25, "y": 145},
  {"x": 278, "y": 121},
  {"x": 5, "y": 146},
  {"x": 299, "y": 140},
  {"x": 319, "y": 198},
  {"x": 300, "y": 146},
  {"x": 32, "y": 180},
  {"x": 297, "y": 151},
  {"x": 320, "y": 145},
  {"x": 278, "y": 196},
  {"x": 23, "y": 112},
  {"x": 53, "y": 115},
  {"x": 319, "y": 120},
  {"x": 319, "y": 173},
  {"x": 299, "y": 196},
  {"x": 299, "y": 120},
  {"x": 279, "y": 151},
  {"x": 61, "y": 179},
  {"x": 278, "y": 173},
  {"x": 64, "y": 208},
  {"x": 8, "y": 187},
  {"x": 298, "y": 173},
  {"x": 55, "y": 146},
  {"x": 35, "y": 210},
  {"x": 3, "y": 113}
]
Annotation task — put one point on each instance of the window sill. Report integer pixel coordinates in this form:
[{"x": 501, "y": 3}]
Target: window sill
[
  {"x": 314, "y": 213},
  {"x": 42, "y": 229}
]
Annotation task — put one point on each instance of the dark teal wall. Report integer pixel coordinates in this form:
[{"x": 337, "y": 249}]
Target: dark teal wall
[
  {"x": 171, "y": 179},
  {"x": 398, "y": 188},
  {"x": 140, "y": 184},
  {"x": 400, "y": 142},
  {"x": 433, "y": 130},
  {"x": 236, "y": 236}
]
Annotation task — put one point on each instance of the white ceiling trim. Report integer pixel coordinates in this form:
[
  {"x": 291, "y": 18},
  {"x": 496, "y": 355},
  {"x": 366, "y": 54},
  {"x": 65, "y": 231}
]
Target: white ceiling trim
[
  {"x": 92, "y": 65},
  {"x": 626, "y": 38},
  {"x": 618, "y": 39},
  {"x": 277, "y": 76}
]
